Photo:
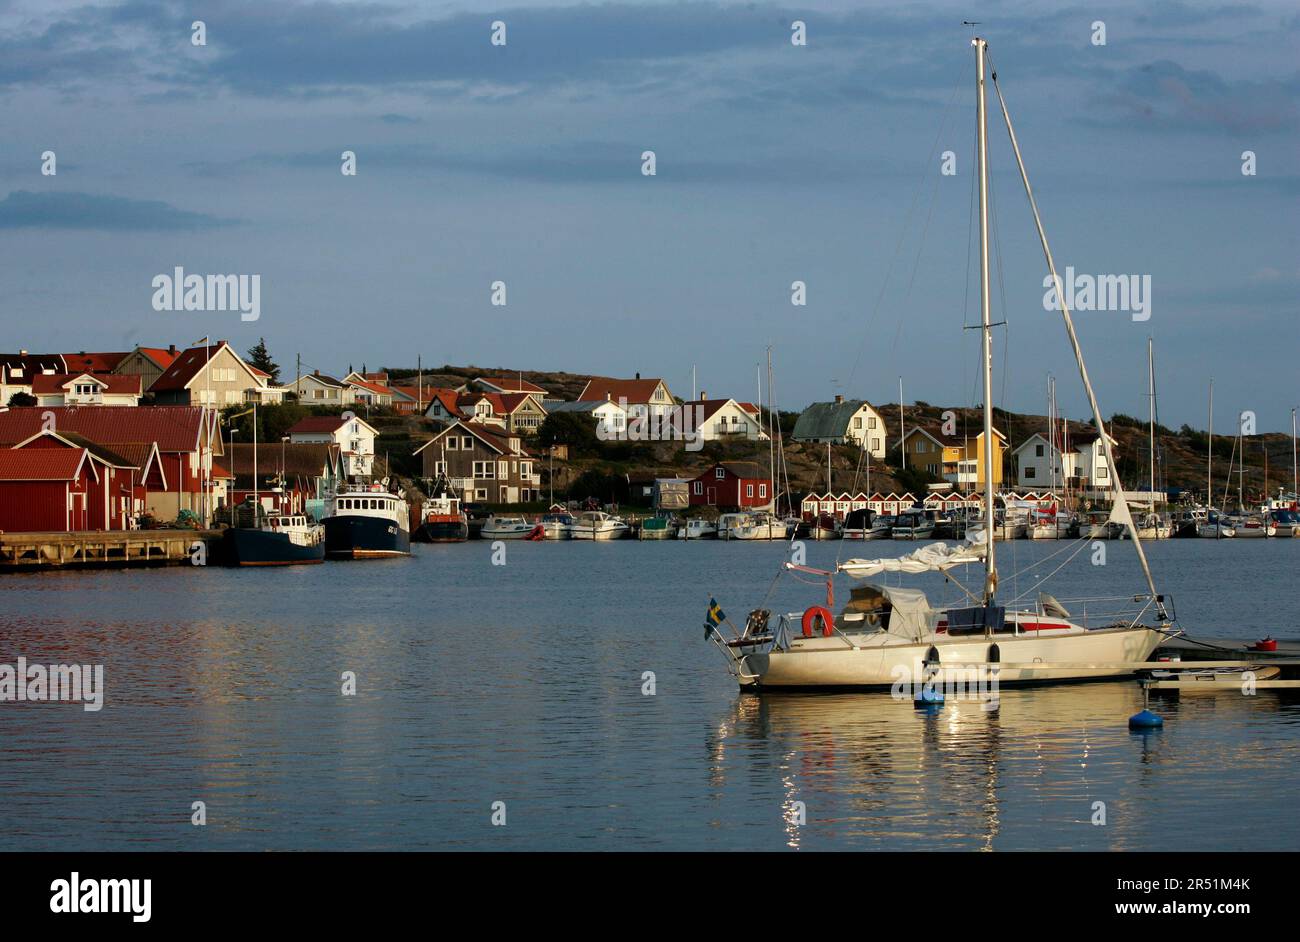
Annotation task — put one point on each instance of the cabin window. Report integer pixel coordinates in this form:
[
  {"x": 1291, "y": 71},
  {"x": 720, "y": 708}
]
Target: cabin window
[{"x": 1101, "y": 471}]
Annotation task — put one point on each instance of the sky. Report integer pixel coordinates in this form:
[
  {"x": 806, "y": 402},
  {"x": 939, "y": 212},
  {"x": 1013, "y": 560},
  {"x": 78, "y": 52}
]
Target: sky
[{"x": 775, "y": 163}]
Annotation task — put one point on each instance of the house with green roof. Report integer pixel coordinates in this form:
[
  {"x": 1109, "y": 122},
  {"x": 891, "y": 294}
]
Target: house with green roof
[{"x": 843, "y": 422}]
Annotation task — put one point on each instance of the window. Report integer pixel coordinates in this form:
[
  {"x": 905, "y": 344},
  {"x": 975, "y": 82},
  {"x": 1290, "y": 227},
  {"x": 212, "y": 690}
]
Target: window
[
  {"x": 480, "y": 493},
  {"x": 857, "y": 421},
  {"x": 1038, "y": 451},
  {"x": 762, "y": 490},
  {"x": 503, "y": 469},
  {"x": 466, "y": 443},
  {"x": 1101, "y": 471},
  {"x": 749, "y": 490},
  {"x": 871, "y": 422},
  {"x": 699, "y": 487},
  {"x": 875, "y": 442},
  {"x": 453, "y": 442},
  {"x": 719, "y": 473},
  {"x": 485, "y": 469},
  {"x": 1029, "y": 472},
  {"x": 440, "y": 467}
]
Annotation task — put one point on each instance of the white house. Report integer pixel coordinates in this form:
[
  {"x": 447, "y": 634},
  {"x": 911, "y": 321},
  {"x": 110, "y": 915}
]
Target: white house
[
  {"x": 1039, "y": 463},
  {"x": 643, "y": 396},
  {"x": 610, "y": 418},
  {"x": 719, "y": 419},
  {"x": 841, "y": 422},
  {"x": 86, "y": 389},
  {"x": 318, "y": 389},
  {"x": 355, "y": 438}
]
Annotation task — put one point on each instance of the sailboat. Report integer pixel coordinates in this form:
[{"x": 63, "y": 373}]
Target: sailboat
[
  {"x": 890, "y": 634},
  {"x": 1151, "y": 525}
]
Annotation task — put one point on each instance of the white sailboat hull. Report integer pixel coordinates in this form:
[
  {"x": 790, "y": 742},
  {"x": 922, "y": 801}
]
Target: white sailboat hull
[{"x": 1025, "y": 659}]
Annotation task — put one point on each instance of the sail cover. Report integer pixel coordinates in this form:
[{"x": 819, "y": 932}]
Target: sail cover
[{"x": 937, "y": 557}]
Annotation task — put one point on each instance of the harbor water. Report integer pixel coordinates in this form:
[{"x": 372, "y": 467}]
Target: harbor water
[{"x": 573, "y": 686}]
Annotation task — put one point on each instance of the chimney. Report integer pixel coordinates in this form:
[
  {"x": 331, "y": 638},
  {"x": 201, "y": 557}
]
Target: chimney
[
  {"x": 315, "y": 372},
  {"x": 171, "y": 348},
  {"x": 638, "y": 375},
  {"x": 839, "y": 398},
  {"x": 23, "y": 353},
  {"x": 704, "y": 397}
]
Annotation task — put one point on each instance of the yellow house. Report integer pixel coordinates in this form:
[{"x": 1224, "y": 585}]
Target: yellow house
[{"x": 959, "y": 461}]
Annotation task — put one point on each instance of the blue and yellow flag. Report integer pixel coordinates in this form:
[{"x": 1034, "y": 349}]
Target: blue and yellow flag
[{"x": 714, "y": 617}]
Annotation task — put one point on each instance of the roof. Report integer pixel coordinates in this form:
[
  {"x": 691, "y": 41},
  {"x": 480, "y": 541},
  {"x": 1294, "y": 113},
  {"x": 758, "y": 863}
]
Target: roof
[
  {"x": 633, "y": 390},
  {"x": 325, "y": 424},
  {"x": 555, "y": 405},
  {"x": 827, "y": 419},
  {"x": 495, "y": 440},
  {"x": 161, "y": 357},
  {"x": 951, "y": 441},
  {"x": 308, "y": 459},
  {"x": 109, "y": 456},
  {"x": 444, "y": 396},
  {"x": 322, "y": 378},
  {"x": 41, "y": 464},
  {"x": 710, "y": 406},
  {"x": 94, "y": 362},
  {"x": 189, "y": 364},
  {"x": 51, "y": 383},
  {"x": 33, "y": 363},
  {"x": 749, "y": 470},
  {"x": 174, "y": 428},
  {"x": 513, "y": 384},
  {"x": 374, "y": 387}
]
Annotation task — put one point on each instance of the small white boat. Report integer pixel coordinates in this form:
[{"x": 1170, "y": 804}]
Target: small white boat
[
  {"x": 598, "y": 525},
  {"x": 1216, "y": 529},
  {"x": 1151, "y": 527},
  {"x": 1211, "y": 680},
  {"x": 509, "y": 528},
  {"x": 698, "y": 529},
  {"x": 726, "y": 522},
  {"x": 1286, "y": 523},
  {"x": 557, "y": 526},
  {"x": 758, "y": 526},
  {"x": 912, "y": 526},
  {"x": 1050, "y": 527},
  {"x": 1253, "y": 527}
]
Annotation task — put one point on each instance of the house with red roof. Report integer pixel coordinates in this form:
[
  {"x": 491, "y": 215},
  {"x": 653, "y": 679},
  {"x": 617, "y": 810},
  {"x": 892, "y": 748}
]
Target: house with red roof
[
  {"x": 185, "y": 438},
  {"x": 443, "y": 404},
  {"x": 86, "y": 389},
  {"x": 320, "y": 389},
  {"x": 17, "y": 371},
  {"x": 643, "y": 396},
  {"x": 212, "y": 375},
  {"x": 147, "y": 362},
  {"x": 732, "y": 484},
  {"x": 722, "y": 420},
  {"x": 354, "y": 436},
  {"x": 368, "y": 391},
  {"x": 482, "y": 463},
  {"x": 45, "y": 490},
  {"x": 117, "y": 491},
  {"x": 93, "y": 362}
]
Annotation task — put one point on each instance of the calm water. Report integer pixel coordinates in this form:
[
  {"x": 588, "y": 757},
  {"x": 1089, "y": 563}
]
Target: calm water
[{"x": 522, "y": 683}]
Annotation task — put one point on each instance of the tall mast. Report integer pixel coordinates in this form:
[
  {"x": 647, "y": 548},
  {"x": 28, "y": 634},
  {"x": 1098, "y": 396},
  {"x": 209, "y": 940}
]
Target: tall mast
[
  {"x": 1120, "y": 511},
  {"x": 1209, "y": 454},
  {"x": 902, "y": 430},
  {"x": 986, "y": 330},
  {"x": 771, "y": 435},
  {"x": 1295, "y": 490},
  {"x": 256, "y": 501},
  {"x": 1151, "y": 422}
]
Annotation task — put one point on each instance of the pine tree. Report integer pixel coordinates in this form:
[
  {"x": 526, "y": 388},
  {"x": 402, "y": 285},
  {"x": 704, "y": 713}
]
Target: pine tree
[{"x": 260, "y": 358}]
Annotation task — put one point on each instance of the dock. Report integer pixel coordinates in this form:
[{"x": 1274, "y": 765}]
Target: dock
[{"x": 105, "y": 549}]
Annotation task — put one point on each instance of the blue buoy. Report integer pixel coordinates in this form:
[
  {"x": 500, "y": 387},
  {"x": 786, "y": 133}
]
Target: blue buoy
[
  {"x": 927, "y": 697},
  {"x": 1145, "y": 720}
]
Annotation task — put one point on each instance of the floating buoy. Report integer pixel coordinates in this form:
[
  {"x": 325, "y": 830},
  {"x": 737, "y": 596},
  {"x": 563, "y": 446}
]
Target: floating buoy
[
  {"x": 927, "y": 697},
  {"x": 1145, "y": 720},
  {"x": 1264, "y": 644}
]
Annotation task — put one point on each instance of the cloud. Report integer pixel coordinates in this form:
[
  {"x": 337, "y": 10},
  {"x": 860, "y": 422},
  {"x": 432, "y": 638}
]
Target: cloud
[
  {"x": 1166, "y": 95},
  {"x": 23, "y": 209}
]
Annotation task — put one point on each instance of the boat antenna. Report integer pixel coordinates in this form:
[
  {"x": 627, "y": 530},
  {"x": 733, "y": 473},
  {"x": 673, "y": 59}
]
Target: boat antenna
[{"x": 1120, "y": 508}]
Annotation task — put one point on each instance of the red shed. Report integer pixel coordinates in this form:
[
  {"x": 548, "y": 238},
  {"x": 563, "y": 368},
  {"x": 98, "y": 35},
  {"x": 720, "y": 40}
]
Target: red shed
[
  {"x": 732, "y": 484},
  {"x": 46, "y": 489}
]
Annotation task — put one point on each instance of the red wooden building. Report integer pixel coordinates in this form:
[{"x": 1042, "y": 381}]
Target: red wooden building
[
  {"x": 46, "y": 489},
  {"x": 739, "y": 484}
]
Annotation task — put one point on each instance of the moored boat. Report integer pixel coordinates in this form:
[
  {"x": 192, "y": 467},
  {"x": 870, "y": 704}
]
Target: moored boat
[
  {"x": 442, "y": 521},
  {"x": 367, "y": 521},
  {"x": 277, "y": 540},
  {"x": 656, "y": 528},
  {"x": 597, "y": 525},
  {"x": 697, "y": 528},
  {"x": 510, "y": 527}
]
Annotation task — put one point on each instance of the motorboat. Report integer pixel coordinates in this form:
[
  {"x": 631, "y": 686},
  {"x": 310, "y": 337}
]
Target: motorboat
[
  {"x": 598, "y": 525},
  {"x": 697, "y": 528},
  {"x": 912, "y": 525},
  {"x": 502, "y": 527}
]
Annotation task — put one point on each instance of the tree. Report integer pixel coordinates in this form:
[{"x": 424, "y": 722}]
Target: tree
[
  {"x": 259, "y": 357},
  {"x": 575, "y": 429},
  {"x": 21, "y": 398}
]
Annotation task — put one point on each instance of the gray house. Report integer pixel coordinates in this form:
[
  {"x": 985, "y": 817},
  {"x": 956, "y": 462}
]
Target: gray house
[{"x": 843, "y": 422}]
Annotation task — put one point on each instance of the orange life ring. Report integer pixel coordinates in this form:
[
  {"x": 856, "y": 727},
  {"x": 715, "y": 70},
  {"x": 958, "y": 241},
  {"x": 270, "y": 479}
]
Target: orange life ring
[{"x": 814, "y": 612}]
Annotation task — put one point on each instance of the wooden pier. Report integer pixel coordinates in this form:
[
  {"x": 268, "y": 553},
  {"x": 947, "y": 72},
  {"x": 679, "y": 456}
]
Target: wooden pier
[{"x": 111, "y": 548}]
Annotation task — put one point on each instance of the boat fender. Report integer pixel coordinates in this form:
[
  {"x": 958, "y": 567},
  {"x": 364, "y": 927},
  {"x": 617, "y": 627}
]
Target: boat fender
[
  {"x": 812, "y": 614},
  {"x": 995, "y": 655}
]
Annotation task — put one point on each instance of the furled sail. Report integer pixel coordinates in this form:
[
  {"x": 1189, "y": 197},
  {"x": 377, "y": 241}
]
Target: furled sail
[{"x": 936, "y": 557}]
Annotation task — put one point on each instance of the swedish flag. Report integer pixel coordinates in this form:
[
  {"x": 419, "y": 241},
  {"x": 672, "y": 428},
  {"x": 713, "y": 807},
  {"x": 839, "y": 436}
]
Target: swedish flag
[{"x": 714, "y": 617}]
